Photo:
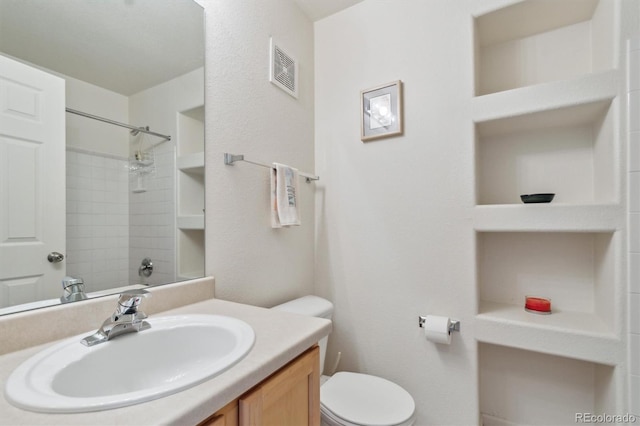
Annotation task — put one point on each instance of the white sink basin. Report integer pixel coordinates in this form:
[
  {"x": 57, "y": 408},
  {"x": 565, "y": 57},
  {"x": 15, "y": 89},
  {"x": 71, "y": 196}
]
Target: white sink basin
[{"x": 176, "y": 353}]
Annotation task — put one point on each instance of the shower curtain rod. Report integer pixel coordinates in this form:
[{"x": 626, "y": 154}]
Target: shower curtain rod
[{"x": 116, "y": 123}]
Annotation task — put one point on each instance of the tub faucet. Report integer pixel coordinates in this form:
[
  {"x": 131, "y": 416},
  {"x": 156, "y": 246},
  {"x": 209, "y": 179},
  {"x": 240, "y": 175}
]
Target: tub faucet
[
  {"x": 72, "y": 290},
  {"x": 126, "y": 318}
]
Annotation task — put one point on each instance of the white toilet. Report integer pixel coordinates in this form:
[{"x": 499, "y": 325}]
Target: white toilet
[{"x": 354, "y": 399}]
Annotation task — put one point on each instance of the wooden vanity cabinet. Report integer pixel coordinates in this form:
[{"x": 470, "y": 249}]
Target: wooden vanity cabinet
[
  {"x": 289, "y": 397},
  {"x": 227, "y": 416}
]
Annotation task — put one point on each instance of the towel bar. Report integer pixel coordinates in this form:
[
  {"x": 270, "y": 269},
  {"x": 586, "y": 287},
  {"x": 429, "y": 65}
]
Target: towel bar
[{"x": 229, "y": 159}]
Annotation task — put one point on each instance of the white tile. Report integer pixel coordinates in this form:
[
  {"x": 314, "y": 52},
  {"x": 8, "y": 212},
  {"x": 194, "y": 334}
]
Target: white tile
[
  {"x": 98, "y": 174},
  {"x": 82, "y": 183},
  {"x": 634, "y": 313},
  {"x": 72, "y": 157},
  {"x": 83, "y": 232},
  {"x": 83, "y": 207},
  {"x": 97, "y": 161},
  {"x": 83, "y": 158},
  {"x": 84, "y": 171}
]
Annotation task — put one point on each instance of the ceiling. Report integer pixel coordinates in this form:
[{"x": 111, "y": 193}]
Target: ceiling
[
  {"x": 125, "y": 46},
  {"x": 318, "y": 9},
  {"x": 122, "y": 45}
]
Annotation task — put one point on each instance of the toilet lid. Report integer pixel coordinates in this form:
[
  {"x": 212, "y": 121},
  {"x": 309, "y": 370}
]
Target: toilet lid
[{"x": 366, "y": 400}]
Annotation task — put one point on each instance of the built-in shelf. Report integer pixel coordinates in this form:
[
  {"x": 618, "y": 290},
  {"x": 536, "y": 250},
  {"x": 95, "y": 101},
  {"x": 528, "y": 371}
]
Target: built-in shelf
[
  {"x": 191, "y": 163},
  {"x": 522, "y": 387},
  {"x": 191, "y": 222},
  {"x": 546, "y": 116},
  {"x": 191, "y": 131},
  {"x": 577, "y": 335},
  {"x": 580, "y": 90},
  {"x": 191, "y": 251},
  {"x": 190, "y": 275},
  {"x": 549, "y": 217},
  {"x": 569, "y": 151},
  {"x": 574, "y": 269},
  {"x": 538, "y": 41},
  {"x": 191, "y": 194},
  {"x": 190, "y": 219}
]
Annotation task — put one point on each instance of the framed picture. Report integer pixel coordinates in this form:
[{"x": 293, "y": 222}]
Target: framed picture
[{"x": 381, "y": 111}]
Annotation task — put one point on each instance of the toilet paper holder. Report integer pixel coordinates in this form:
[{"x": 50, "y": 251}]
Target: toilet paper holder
[{"x": 454, "y": 326}]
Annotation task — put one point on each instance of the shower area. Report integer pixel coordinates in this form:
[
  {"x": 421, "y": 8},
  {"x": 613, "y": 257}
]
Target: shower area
[
  {"x": 120, "y": 201},
  {"x": 124, "y": 182}
]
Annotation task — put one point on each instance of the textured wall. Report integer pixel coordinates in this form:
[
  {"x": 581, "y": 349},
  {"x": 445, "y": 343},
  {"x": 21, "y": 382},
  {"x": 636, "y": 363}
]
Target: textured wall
[
  {"x": 393, "y": 234},
  {"x": 246, "y": 114}
]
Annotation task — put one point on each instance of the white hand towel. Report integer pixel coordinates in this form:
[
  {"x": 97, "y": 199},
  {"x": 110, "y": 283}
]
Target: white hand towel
[
  {"x": 284, "y": 196},
  {"x": 275, "y": 221}
]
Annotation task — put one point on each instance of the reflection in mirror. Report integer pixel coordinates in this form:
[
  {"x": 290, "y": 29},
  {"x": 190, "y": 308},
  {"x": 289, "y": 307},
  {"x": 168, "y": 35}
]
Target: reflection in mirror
[{"x": 130, "y": 202}]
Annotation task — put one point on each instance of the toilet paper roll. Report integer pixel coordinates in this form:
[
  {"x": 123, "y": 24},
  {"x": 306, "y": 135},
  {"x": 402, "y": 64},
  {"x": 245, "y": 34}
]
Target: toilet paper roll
[{"x": 436, "y": 329}]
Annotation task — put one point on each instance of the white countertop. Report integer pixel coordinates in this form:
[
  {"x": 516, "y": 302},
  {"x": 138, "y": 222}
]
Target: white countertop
[{"x": 280, "y": 337}]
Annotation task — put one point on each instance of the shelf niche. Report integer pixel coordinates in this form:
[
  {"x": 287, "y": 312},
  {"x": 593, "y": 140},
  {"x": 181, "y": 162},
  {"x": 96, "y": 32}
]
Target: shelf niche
[
  {"x": 523, "y": 387},
  {"x": 191, "y": 249},
  {"x": 568, "y": 151},
  {"x": 190, "y": 162},
  {"x": 538, "y": 41},
  {"x": 191, "y": 192},
  {"x": 574, "y": 269}
]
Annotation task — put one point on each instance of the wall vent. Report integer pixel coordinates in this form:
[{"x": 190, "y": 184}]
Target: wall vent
[{"x": 283, "y": 71}]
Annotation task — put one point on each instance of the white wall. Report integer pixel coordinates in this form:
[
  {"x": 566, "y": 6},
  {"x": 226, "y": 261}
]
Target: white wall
[
  {"x": 252, "y": 262},
  {"x": 393, "y": 235},
  {"x": 395, "y": 217},
  {"x": 92, "y": 135}
]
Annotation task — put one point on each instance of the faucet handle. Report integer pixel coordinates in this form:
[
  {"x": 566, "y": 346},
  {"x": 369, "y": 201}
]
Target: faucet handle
[
  {"x": 71, "y": 281},
  {"x": 130, "y": 300}
]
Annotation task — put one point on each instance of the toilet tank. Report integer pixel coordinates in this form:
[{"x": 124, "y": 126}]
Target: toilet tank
[{"x": 312, "y": 306}]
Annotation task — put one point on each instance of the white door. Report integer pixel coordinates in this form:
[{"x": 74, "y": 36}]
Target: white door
[{"x": 32, "y": 183}]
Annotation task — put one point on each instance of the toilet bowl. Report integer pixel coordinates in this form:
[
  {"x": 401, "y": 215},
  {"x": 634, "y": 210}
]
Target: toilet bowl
[{"x": 354, "y": 399}]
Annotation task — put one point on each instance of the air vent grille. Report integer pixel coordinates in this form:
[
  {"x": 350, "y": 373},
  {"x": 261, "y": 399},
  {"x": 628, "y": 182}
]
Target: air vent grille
[{"x": 284, "y": 70}]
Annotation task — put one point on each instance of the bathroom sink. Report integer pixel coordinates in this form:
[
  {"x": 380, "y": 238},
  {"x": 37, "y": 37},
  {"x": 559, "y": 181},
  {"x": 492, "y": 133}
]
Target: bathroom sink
[{"x": 177, "y": 352}]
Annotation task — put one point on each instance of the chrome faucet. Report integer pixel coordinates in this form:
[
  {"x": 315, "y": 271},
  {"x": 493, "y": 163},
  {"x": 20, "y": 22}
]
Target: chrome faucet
[
  {"x": 126, "y": 318},
  {"x": 72, "y": 290}
]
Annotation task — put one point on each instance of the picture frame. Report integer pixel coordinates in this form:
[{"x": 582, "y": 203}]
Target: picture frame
[{"x": 381, "y": 111}]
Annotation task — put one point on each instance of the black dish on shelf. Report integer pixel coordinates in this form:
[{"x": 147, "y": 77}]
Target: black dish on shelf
[{"x": 537, "y": 198}]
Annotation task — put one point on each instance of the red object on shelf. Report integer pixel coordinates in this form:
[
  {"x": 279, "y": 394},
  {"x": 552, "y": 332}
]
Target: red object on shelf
[{"x": 537, "y": 305}]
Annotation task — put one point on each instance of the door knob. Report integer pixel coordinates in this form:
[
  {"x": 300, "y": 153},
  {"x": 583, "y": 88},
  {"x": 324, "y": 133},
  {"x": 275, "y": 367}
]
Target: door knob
[{"x": 55, "y": 257}]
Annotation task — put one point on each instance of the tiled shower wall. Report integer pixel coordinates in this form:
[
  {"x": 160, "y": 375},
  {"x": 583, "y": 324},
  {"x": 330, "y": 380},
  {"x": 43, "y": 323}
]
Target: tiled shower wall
[
  {"x": 111, "y": 228},
  {"x": 152, "y": 231},
  {"x": 97, "y": 219},
  {"x": 634, "y": 224}
]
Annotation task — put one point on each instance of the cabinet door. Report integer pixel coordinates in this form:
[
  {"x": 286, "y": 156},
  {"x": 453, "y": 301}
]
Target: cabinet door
[
  {"x": 227, "y": 416},
  {"x": 290, "y": 397}
]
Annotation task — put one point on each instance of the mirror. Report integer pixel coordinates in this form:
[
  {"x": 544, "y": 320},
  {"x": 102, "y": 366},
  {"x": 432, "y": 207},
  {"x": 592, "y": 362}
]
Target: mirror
[{"x": 134, "y": 200}]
